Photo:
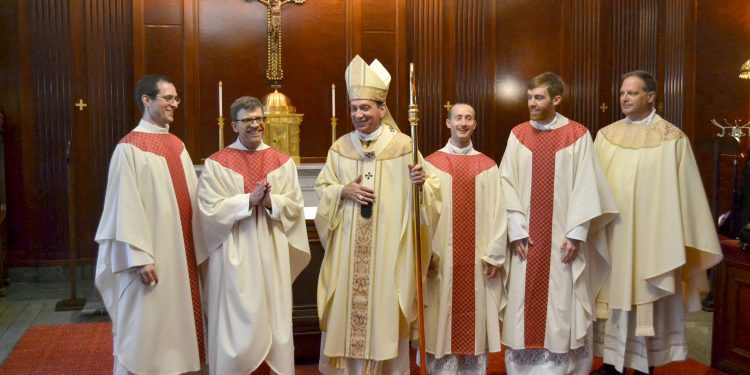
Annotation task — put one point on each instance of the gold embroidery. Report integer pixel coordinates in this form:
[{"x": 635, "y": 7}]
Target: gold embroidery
[
  {"x": 631, "y": 136},
  {"x": 398, "y": 146},
  {"x": 360, "y": 288}
]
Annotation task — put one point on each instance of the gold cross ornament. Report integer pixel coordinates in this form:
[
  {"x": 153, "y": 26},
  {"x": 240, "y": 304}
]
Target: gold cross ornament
[
  {"x": 448, "y": 106},
  {"x": 81, "y": 104}
]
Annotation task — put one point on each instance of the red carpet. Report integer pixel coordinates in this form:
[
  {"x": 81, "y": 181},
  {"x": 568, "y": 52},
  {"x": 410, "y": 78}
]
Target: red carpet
[{"x": 87, "y": 349}]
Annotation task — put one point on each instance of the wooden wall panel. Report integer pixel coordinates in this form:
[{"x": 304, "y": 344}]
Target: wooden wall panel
[
  {"x": 730, "y": 348},
  {"x": 453, "y": 45},
  {"x": 49, "y": 131},
  {"x": 386, "y": 41},
  {"x": 528, "y": 43},
  {"x": 164, "y": 42},
  {"x": 475, "y": 68},
  {"x": 722, "y": 44},
  {"x": 634, "y": 44},
  {"x": 428, "y": 42},
  {"x": 677, "y": 39},
  {"x": 232, "y": 40},
  {"x": 316, "y": 58},
  {"x": 164, "y": 12},
  {"x": 581, "y": 64},
  {"x": 67, "y": 51},
  {"x": 108, "y": 90}
]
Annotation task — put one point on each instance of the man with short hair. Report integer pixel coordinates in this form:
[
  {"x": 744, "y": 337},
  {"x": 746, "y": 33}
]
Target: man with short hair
[
  {"x": 558, "y": 203},
  {"x": 663, "y": 240},
  {"x": 464, "y": 290},
  {"x": 251, "y": 214},
  {"x": 146, "y": 270},
  {"x": 366, "y": 288}
]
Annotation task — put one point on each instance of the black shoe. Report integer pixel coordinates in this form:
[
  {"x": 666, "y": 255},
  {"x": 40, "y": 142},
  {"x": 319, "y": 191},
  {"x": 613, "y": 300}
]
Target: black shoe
[{"x": 606, "y": 369}]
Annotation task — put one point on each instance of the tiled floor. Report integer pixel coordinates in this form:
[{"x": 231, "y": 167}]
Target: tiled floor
[{"x": 30, "y": 304}]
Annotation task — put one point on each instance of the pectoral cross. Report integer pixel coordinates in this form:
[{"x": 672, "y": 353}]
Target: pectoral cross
[{"x": 274, "y": 73}]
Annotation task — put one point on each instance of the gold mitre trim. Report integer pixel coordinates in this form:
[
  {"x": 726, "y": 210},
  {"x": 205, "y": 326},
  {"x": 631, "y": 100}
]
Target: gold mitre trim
[{"x": 367, "y": 81}]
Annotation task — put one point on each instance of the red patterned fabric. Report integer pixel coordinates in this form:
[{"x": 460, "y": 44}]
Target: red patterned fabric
[
  {"x": 170, "y": 148},
  {"x": 252, "y": 165},
  {"x": 544, "y": 145},
  {"x": 463, "y": 170}
]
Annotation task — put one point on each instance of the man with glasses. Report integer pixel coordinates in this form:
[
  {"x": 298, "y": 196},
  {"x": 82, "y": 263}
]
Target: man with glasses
[
  {"x": 146, "y": 270},
  {"x": 251, "y": 215}
]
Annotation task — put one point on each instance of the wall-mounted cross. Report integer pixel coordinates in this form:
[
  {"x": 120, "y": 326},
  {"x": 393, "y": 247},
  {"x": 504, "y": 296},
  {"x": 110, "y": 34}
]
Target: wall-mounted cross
[
  {"x": 448, "y": 106},
  {"x": 80, "y": 104},
  {"x": 603, "y": 107}
]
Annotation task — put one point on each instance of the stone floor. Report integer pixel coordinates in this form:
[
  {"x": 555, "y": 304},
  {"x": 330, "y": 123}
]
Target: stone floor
[{"x": 31, "y": 304}]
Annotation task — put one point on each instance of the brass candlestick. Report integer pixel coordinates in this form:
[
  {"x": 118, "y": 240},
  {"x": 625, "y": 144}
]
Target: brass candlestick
[
  {"x": 221, "y": 132},
  {"x": 333, "y": 129}
]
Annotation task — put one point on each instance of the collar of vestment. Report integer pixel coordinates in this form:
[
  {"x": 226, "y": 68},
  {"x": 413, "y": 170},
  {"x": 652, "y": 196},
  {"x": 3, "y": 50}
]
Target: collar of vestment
[
  {"x": 252, "y": 165},
  {"x": 451, "y": 149},
  {"x": 368, "y": 157},
  {"x": 557, "y": 122},
  {"x": 627, "y": 135},
  {"x": 644, "y": 121},
  {"x": 147, "y": 127},
  {"x": 239, "y": 146},
  {"x": 369, "y": 137}
]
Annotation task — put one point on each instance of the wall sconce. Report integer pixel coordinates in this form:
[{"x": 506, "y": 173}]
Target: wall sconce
[{"x": 745, "y": 70}]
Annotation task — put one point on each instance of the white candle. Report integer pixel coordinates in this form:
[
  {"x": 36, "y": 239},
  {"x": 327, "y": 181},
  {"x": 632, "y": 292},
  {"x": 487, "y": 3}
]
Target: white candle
[
  {"x": 220, "y": 113},
  {"x": 333, "y": 100}
]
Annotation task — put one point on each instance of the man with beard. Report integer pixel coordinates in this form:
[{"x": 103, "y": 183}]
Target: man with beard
[{"x": 558, "y": 203}]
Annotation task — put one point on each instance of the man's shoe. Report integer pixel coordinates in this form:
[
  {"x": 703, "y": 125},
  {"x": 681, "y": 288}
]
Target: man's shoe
[{"x": 606, "y": 369}]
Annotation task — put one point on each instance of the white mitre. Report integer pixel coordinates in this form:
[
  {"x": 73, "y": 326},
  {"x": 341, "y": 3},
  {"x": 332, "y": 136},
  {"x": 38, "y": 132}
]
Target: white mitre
[{"x": 369, "y": 82}]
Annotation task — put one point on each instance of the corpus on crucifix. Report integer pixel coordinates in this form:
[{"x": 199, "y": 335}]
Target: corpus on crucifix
[{"x": 274, "y": 73}]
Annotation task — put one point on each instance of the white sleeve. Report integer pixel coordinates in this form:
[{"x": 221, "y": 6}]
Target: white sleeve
[
  {"x": 579, "y": 233},
  {"x": 517, "y": 226},
  {"x": 124, "y": 256}
]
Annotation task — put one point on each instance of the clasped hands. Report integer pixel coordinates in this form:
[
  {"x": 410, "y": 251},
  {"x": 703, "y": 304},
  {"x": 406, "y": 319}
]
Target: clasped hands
[
  {"x": 569, "y": 248},
  {"x": 261, "y": 194},
  {"x": 356, "y": 192}
]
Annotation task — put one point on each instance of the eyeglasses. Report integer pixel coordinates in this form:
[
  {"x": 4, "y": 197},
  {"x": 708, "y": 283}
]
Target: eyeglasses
[
  {"x": 248, "y": 121},
  {"x": 171, "y": 99}
]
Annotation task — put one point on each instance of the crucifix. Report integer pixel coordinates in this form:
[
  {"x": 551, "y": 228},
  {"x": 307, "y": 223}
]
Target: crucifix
[{"x": 274, "y": 73}]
